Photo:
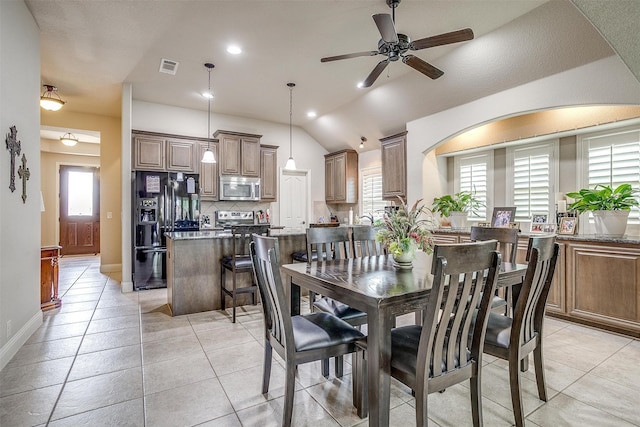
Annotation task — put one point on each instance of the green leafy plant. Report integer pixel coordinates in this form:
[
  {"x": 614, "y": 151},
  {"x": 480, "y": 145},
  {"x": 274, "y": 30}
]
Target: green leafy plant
[
  {"x": 463, "y": 201},
  {"x": 398, "y": 230},
  {"x": 604, "y": 198}
]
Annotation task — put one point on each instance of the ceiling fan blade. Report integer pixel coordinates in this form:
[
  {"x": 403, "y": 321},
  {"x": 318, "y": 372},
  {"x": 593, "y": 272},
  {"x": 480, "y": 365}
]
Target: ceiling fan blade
[
  {"x": 371, "y": 78},
  {"x": 349, "y": 55},
  {"x": 386, "y": 27},
  {"x": 422, "y": 66},
  {"x": 442, "y": 39}
]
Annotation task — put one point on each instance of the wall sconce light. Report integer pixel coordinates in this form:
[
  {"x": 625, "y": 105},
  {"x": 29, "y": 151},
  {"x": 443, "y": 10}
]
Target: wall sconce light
[
  {"x": 50, "y": 100},
  {"x": 362, "y": 141},
  {"x": 69, "y": 139}
]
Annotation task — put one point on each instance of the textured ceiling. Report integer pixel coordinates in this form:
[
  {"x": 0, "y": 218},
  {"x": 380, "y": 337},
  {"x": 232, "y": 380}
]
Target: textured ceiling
[{"x": 90, "y": 48}]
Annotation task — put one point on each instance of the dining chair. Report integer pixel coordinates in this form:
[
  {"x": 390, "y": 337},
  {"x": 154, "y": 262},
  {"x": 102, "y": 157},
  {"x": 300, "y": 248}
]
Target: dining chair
[
  {"x": 508, "y": 245},
  {"x": 513, "y": 338},
  {"x": 297, "y": 339},
  {"x": 364, "y": 243},
  {"x": 437, "y": 355},
  {"x": 239, "y": 262}
]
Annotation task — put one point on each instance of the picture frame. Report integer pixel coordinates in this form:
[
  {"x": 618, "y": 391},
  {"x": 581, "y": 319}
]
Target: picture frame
[
  {"x": 542, "y": 228},
  {"x": 484, "y": 224},
  {"x": 568, "y": 225},
  {"x": 540, "y": 217},
  {"x": 503, "y": 216},
  {"x": 515, "y": 225}
]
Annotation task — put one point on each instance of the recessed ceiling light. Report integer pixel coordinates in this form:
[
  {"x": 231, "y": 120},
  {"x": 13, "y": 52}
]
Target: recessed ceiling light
[
  {"x": 311, "y": 114},
  {"x": 207, "y": 94},
  {"x": 234, "y": 50}
]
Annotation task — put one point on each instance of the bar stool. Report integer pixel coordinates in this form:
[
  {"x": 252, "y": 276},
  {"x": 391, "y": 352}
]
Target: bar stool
[{"x": 239, "y": 262}]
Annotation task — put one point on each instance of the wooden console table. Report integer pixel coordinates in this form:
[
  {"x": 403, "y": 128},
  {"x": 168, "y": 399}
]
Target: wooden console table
[{"x": 49, "y": 278}]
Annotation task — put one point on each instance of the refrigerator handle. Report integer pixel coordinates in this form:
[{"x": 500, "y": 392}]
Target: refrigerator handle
[{"x": 166, "y": 210}]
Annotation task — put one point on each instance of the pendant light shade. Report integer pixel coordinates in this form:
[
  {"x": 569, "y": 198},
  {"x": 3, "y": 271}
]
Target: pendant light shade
[
  {"x": 208, "y": 156},
  {"x": 50, "y": 100},
  {"x": 69, "y": 139},
  {"x": 291, "y": 164}
]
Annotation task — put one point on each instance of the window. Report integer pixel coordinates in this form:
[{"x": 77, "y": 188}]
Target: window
[
  {"x": 531, "y": 179},
  {"x": 473, "y": 174},
  {"x": 80, "y": 194},
  {"x": 611, "y": 158},
  {"x": 372, "y": 202}
]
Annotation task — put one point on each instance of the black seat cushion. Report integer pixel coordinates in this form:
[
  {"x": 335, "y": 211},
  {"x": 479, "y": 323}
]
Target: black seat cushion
[
  {"x": 338, "y": 309},
  {"x": 404, "y": 349},
  {"x": 498, "y": 330},
  {"x": 318, "y": 330},
  {"x": 302, "y": 256},
  {"x": 242, "y": 262},
  {"x": 498, "y": 302}
]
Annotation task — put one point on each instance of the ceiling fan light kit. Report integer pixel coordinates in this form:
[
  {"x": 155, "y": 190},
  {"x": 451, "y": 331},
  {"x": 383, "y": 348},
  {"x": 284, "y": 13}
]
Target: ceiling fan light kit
[
  {"x": 50, "y": 100},
  {"x": 208, "y": 156},
  {"x": 395, "y": 46}
]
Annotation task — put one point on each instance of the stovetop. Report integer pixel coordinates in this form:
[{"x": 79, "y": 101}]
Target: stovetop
[{"x": 229, "y": 218}]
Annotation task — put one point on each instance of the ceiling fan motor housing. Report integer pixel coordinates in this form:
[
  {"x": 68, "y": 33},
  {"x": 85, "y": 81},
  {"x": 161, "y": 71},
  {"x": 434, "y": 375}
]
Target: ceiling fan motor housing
[{"x": 394, "y": 50}]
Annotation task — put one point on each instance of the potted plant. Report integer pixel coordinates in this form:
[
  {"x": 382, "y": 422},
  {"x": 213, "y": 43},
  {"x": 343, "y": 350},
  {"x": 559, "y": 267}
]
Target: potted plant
[
  {"x": 457, "y": 207},
  {"x": 405, "y": 230},
  {"x": 610, "y": 207}
]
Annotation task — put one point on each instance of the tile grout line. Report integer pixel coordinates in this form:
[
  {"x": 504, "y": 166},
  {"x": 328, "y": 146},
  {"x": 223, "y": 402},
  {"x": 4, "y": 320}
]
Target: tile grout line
[{"x": 66, "y": 378}]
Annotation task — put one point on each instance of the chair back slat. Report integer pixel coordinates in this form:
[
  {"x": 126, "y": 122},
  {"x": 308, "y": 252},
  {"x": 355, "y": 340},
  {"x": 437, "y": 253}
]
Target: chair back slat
[
  {"x": 462, "y": 272},
  {"x": 330, "y": 243},
  {"x": 507, "y": 240},
  {"x": 364, "y": 242},
  {"x": 242, "y": 237},
  {"x": 529, "y": 310},
  {"x": 265, "y": 254}
]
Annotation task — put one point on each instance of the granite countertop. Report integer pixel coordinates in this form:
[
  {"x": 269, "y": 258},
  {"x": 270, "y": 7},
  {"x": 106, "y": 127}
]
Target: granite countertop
[
  {"x": 220, "y": 234},
  {"x": 626, "y": 239}
]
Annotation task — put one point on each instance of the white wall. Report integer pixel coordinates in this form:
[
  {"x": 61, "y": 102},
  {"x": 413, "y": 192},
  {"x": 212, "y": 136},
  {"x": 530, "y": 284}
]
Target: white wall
[
  {"x": 607, "y": 81},
  {"x": 19, "y": 222}
]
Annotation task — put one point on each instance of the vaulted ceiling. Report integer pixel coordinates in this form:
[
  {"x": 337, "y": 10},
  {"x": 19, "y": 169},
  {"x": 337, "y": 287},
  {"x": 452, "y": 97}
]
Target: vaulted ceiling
[{"x": 89, "y": 48}]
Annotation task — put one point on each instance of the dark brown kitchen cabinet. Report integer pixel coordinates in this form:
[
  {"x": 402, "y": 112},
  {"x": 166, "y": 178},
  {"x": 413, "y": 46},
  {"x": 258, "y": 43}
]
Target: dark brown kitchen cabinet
[
  {"x": 394, "y": 166},
  {"x": 268, "y": 173},
  {"x": 341, "y": 177},
  {"x": 149, "y": 152},
  {"x": 208, "y": 172},
  {"x": 239, "y": 153}
]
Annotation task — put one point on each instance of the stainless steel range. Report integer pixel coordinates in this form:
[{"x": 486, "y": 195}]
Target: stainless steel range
[{"x": 226, "y": 219}]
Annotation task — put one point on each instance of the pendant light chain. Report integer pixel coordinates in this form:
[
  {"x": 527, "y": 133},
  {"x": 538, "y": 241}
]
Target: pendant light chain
[{"x": 291, "y": 164}]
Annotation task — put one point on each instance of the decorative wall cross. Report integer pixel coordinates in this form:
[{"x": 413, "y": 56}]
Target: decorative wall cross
[
  {"x": 24, "y": 174},
  {"x": 13, "y": 145}
]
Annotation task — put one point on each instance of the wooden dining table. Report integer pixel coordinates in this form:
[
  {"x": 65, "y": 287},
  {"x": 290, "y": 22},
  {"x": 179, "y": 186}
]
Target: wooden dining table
[{"x": 373, "y": 285}]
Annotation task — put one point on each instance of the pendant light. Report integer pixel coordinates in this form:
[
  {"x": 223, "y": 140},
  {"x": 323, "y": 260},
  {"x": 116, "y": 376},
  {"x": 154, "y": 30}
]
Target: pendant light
[
  {"x": 362, "y": 141},
  {"x": 50, "y": 100},
  {"x": 291, "y": 164},
  {"x": 208, "y": 156},
  {"x": 69, "y": 139}
]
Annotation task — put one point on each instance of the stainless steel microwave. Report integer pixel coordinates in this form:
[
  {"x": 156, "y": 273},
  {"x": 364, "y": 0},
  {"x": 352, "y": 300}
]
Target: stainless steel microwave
[{"x": 239, "y": 188}]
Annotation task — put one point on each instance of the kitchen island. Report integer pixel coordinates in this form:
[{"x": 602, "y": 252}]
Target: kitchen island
[{"x": 193, "y": 267}]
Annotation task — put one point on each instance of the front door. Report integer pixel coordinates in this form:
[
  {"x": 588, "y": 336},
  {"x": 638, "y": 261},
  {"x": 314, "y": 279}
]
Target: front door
[
  {"x": 294, "y": 200},
  {"x": 79, "y": 210}
]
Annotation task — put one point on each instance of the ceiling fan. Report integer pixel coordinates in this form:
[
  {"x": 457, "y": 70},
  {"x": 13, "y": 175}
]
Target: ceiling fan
[{"x": 395, "y": 46}]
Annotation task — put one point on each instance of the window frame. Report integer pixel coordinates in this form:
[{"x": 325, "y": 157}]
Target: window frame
[
  {"x": 364, "y": 173},
  {"x": 458, "y": 162}
]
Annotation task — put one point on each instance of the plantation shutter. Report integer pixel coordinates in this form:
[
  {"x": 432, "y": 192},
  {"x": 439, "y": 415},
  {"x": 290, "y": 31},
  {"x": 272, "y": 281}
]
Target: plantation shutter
[
  {"x": 473, "y": 176},
  {"x": 372, "y": 202},
  {"x": 614, "y": 159},
  {"x": 532, "y": 180}
]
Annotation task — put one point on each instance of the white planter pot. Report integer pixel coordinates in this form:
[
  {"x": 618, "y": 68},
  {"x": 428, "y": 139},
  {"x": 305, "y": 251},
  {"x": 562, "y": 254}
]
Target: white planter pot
[
  {"x": 610, "y": 223},
  {"x": 458, "y": 220}
]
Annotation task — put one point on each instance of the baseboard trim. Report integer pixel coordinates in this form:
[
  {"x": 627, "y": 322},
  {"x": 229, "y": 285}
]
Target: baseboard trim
[
  {"x": 13, "y": 345},
  {"x": 126, "y": 286},
  {"x": 110, "y": 268}
]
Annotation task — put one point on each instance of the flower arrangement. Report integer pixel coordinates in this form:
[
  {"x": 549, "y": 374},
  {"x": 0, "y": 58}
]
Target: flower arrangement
[{"x": 405, "y": 228}]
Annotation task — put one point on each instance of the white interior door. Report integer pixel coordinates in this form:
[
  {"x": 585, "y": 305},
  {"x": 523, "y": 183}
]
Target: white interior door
[{"x": 294, "y": 199}]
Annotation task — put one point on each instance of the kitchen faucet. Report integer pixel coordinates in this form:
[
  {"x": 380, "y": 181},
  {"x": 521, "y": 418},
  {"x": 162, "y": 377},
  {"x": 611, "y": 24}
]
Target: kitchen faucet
[{"x": 369, "y": 217}]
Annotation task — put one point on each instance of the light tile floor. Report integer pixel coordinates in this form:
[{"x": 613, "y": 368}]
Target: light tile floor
[{"x": 108, "y": 358}]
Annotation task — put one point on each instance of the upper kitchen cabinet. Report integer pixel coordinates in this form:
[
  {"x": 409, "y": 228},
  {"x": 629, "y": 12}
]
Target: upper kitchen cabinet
[
  {"x": 239, "y": 153},
  {"x": 160, "y": 152},
  {"x": 149, "y": 152},
  {"x": 341, "y": 177},
  {"x": 268, "y": 173},
  {"x": 208, "y": 172},
  {"x": 394, "y": 166}
]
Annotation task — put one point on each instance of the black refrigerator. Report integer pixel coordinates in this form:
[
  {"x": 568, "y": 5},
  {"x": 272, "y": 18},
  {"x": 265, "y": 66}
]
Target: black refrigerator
[{"x": 161, "y": 202}]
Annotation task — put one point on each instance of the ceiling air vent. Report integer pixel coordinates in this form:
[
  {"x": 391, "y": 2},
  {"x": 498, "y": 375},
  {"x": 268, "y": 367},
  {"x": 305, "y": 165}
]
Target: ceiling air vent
[{"x": 168, "y": 66}]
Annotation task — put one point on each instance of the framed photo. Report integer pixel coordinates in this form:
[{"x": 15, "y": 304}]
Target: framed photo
[
  {"x": 515, "y": 225},
  {"x": 484, "y": 224},
  {"x": 503, "y": 216},
  {"x": 537, "y": 227},
  {"x": 539, "y": 217},
  {"x": 568, "y": 225}
]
